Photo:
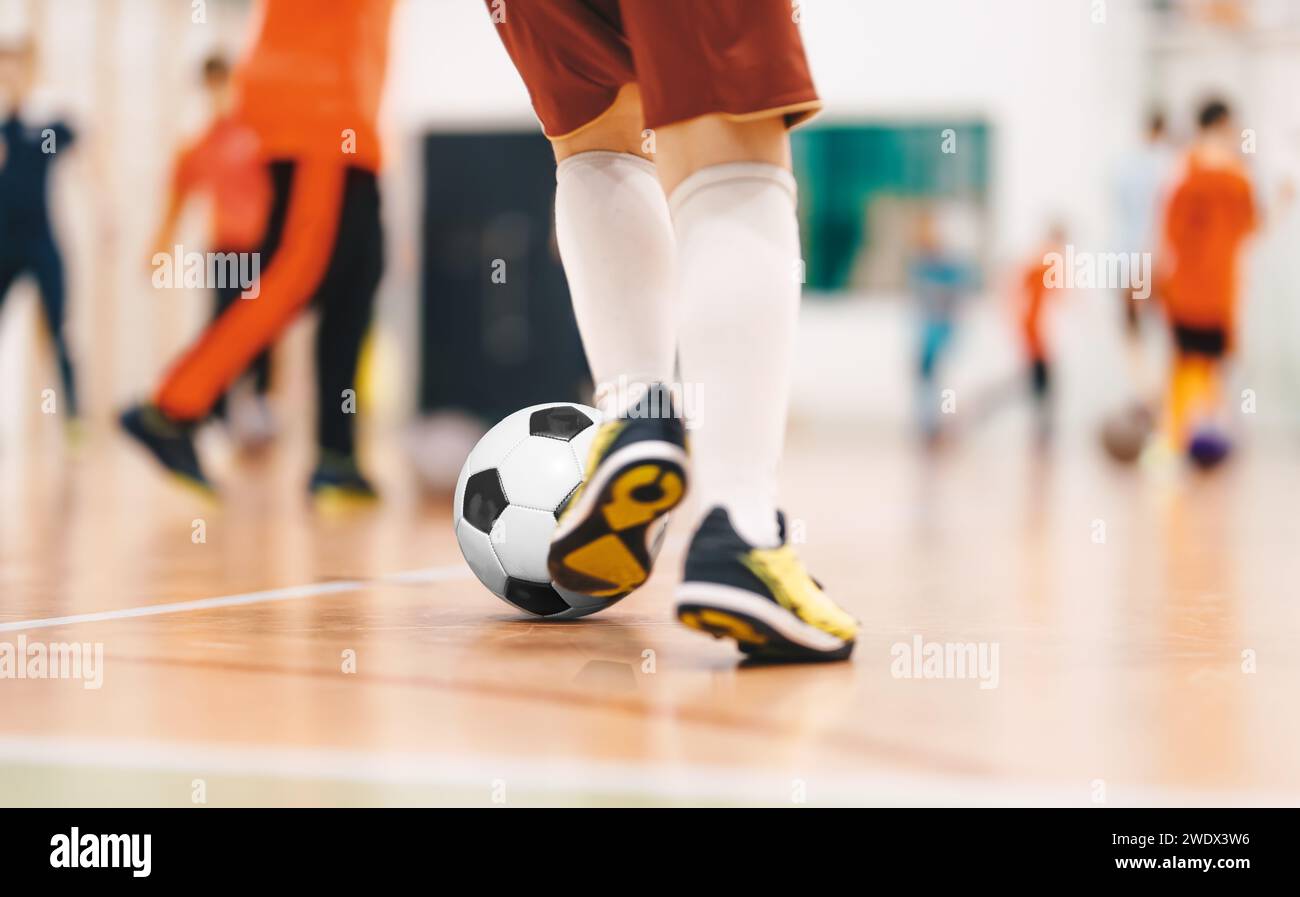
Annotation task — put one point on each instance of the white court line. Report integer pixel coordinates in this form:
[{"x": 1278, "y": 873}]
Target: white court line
[
  {"x": 428, "y": 574},
  {"x": 562, "y": 781}
]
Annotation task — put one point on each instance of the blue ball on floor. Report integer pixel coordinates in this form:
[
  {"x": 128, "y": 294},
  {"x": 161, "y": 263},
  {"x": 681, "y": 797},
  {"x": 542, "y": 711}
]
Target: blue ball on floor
[{"x": 1208, "y": 448}]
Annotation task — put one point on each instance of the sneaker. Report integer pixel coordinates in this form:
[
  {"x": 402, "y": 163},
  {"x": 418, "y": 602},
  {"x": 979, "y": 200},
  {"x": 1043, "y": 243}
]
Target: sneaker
[
  {"x": 337, "y": 483},
  {"x": 170, "y": 442},
  {"x": 606, "y": 538},
  {"x": 761, "y": 597}
]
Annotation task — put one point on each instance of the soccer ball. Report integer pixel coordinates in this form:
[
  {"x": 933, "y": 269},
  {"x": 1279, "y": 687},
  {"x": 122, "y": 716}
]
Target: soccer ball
[{"x": 508, "y": 497}]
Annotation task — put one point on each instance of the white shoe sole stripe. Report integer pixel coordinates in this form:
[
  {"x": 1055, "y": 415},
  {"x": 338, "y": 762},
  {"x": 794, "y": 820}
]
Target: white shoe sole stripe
[{"x": 742, "y": 601}]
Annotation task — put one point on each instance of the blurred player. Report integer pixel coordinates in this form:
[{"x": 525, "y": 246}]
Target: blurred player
[
  {"x": 938, "y": 281},
  {"x": 310, "y": 87},
  {"x": 1033, "y": 288},
  {"x": 225, "y": 164},
  {"x": 1140, "y": 194},
  {"x": 1210, "y": 213},
  {"x": 29, "y": 148},
  {"x": 669, "y": 123}
]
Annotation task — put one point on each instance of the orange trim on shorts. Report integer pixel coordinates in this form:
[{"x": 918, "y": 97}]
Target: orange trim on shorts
[
  {"x": 232, "y": 341},
  {"x": 811, "y": 107},
  {"x": 583, "y": 127}
]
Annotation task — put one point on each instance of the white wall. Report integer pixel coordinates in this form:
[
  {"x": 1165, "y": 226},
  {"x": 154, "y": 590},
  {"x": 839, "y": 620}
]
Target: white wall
[{"x": 1049, "y": 80}]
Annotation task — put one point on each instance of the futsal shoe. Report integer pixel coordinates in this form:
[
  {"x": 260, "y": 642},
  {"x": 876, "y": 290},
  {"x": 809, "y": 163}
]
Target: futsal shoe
[
  {"x": 761, "y": 597},
  {"x": 606, "y": 538},
  {"x": 170, "y": 442},
  {"x": 337, "y": 484}
]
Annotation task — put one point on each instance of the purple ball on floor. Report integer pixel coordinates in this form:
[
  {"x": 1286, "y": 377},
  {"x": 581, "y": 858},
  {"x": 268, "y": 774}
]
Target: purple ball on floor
[{"x": 1208, "y": 448}]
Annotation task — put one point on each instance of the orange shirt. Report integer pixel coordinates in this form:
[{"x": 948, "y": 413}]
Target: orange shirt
[
  {"x": 314, "y": 72},
  {"x": 1033, "y": 286},
  {"x": 1210, "y": 213},
  {"x": 227, "y": 164}
]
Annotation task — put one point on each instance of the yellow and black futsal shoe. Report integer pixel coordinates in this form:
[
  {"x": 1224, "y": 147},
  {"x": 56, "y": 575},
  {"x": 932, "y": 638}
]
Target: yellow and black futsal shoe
[
  {"x": 608, "y": 534},
  {"x": 761, "y": 597}
]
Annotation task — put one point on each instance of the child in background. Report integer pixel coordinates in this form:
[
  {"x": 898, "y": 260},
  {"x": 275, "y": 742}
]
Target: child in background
[
  {"x": 1033, "y": 285},
  {"x": 312, "y": 95},
  {"x": 29, "y": 149},
  {"x": 225, "y": 164},
  {"x": 938, "y": 281},
  {"x": 1211, "y": 211}
]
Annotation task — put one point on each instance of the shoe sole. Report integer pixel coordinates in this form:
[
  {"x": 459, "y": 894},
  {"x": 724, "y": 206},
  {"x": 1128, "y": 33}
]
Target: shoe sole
[
  {"x": 762, "y": 629},
  {"x": 603, "y": 546}
]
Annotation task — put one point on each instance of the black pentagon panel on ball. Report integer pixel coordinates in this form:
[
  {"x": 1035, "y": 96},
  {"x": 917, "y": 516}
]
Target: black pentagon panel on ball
[
  {"x": 561, "y": 422},
  {"x": 535, "y": 597},
  {"x": 484, "y": 499}
]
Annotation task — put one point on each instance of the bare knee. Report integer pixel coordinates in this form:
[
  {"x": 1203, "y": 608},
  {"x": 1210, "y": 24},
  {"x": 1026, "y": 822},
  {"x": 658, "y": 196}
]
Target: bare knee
[
  {"x": 686, "y": 147},
  {"x": 618, "y": 129}
]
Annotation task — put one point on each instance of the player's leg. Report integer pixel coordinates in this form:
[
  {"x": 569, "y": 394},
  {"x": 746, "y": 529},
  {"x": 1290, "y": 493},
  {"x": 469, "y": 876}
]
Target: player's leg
[
  {"x": 244, "y": 406},
  {"x": 47, "y": 267},
  {"x": 733, "y": 201},
  {"x": 346, "y": 300},
  {"x": 252, "y": 422},
  {"x": 228, "y": 346},
  {"x": 724, "y": 159},
  {"x": 1192, "y": 390},
  {"x": 11, "y": 265},
  {"x": 1207, "y": 443},
  {"x": 222, "y": 298},
  {"x": 1040, "y": 389},
  {"x": 616, "y": 242},
  {"x": 1176, "y": 395},
  {"x": 1186, "y": 386},
  {"x": 936, "y": 332}
]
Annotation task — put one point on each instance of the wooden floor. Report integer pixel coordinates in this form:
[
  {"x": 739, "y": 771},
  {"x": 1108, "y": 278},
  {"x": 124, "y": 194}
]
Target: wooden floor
[{"x": 1120, "y": 603}]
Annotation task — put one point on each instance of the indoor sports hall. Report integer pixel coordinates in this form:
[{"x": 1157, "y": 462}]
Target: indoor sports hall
[{"x": 1057, "y": 604}]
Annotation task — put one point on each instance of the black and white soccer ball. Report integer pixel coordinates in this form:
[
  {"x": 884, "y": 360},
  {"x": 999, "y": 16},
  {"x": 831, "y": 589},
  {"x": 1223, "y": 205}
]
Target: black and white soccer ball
[{"x": 510, "y": 493}]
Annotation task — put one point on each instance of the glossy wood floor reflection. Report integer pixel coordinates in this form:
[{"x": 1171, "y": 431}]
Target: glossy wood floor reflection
[{"x": 1144, "y": 624}]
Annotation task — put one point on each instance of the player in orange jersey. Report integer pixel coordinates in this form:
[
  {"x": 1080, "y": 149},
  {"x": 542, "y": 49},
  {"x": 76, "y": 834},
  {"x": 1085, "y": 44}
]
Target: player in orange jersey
[
  {"x": 1034, "y": 285},
  {"x": 310, "y": 87},
  {"x": 1211, "y": 212},
  {"x": 225, "y": 164}
]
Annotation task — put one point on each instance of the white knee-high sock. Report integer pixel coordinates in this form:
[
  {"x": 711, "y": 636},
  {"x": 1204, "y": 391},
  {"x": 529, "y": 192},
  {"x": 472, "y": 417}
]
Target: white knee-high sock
[
  {"x": 737, "y": 258},
  {"x": 616, "y": 242}
]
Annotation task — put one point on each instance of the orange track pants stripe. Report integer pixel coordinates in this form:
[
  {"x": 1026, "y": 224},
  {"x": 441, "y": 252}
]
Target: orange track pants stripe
[{"x": 232, "y": 341}]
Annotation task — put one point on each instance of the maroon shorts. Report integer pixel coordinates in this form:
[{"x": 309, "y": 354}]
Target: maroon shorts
[{"x": 740, "y": 58}]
